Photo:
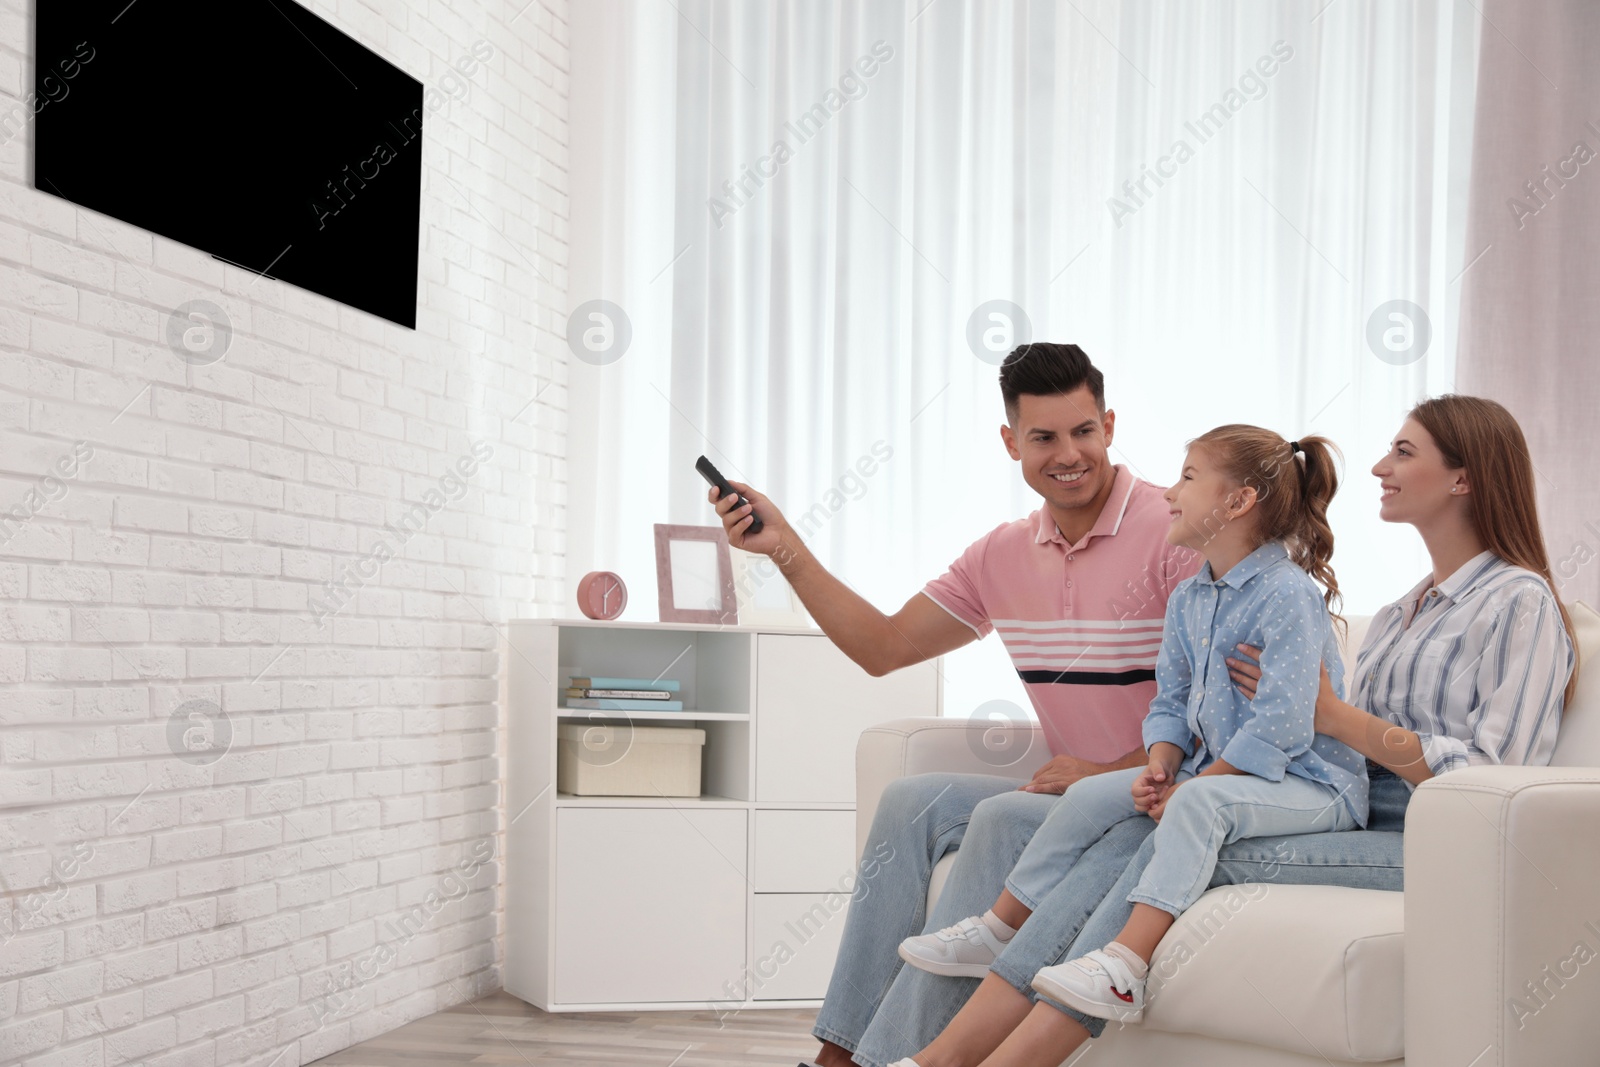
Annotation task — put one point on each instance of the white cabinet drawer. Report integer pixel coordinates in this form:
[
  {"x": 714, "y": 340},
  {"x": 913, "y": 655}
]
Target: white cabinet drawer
[
  {"x": 813, "y": 703},
  {"x": 804, "y": 851},
  {"x": 650, "y": 904},
  {"x": 796, "y": 938}
]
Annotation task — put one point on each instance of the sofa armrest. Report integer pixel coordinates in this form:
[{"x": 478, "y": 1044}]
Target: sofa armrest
[
  {"x": 1502, "y": 917},
  {"x": 904, "y": 747}
]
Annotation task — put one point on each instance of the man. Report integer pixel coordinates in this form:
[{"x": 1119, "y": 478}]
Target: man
[{"x": 1077, "y": 591}]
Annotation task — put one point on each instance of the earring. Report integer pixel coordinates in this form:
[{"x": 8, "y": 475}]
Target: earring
[{"x": 1452, "y": 488}]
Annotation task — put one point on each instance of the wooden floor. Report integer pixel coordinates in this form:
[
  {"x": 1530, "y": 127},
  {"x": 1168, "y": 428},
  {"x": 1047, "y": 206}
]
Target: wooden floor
[{"x": 501, "y": 1029}]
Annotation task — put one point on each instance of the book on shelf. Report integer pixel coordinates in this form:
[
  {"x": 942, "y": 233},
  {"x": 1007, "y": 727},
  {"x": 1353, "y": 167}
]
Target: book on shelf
[
  {"x": 669, "y": 685},
  {"x": 621, "y": 694},
  {"x": 609, "y": 704}
]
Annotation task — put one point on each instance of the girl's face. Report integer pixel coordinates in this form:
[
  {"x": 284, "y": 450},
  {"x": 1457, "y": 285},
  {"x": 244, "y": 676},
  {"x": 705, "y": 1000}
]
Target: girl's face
[
  {"x": 1203, "y": 501},
  {"x": 1415, "y": 482}
]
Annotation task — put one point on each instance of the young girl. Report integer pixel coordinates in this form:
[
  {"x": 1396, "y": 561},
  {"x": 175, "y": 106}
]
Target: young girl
[{"x": 1221, "y": 767}]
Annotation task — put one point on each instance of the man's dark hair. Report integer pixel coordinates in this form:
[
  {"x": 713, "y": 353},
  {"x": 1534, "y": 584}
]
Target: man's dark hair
[{"x": 1047, "y": 369}]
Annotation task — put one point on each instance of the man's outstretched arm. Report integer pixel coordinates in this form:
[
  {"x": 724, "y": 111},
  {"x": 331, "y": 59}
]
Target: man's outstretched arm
[{"x": 879, "y": 643}]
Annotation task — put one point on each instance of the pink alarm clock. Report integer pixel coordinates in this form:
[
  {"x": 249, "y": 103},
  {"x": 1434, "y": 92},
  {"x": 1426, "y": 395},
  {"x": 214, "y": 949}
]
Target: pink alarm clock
[{"x": 601, "y": 595}]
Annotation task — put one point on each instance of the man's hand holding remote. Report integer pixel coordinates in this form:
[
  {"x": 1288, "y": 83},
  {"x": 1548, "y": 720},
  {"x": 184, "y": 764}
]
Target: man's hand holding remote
[{"x": 736, "y": 520}]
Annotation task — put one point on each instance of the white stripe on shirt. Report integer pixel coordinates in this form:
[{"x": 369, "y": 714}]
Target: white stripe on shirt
[{"x": 1110, "y": 627}]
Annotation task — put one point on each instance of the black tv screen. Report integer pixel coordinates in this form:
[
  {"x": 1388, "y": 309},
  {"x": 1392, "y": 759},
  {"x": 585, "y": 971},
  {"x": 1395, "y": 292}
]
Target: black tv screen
[{"x": 249, "y": 129}]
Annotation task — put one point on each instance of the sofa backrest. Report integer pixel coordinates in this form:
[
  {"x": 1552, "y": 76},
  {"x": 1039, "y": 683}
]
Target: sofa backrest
[
  {"x": 1356, "y": 633},
  {"x": 1579, "y": 742}
]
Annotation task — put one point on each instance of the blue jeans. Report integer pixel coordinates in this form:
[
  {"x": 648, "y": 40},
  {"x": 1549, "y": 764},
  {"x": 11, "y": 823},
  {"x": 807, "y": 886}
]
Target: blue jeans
[
  {"x": 1089, "y": 907},
  {"x": 1085, "y": 813},
  {"x": 919, "y": 819},
  {"x": 1205, "y": 813},
  {"x": 1360, "y": 859},
  {"x": 919, "y": 1005}
]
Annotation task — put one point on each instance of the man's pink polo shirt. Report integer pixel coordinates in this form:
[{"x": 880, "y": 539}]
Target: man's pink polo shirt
[{"x": 1082, "y": 622}]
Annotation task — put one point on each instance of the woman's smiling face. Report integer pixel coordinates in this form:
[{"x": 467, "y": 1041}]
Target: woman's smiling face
[{"x": 1416, "y": 483}]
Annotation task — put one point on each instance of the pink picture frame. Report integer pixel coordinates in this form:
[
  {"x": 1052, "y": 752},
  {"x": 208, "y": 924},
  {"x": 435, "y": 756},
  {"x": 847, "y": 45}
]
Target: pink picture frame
[{"x": 722, "y": 605}]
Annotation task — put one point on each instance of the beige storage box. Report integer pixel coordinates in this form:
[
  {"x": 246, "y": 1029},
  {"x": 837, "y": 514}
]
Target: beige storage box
[{"x": 621, "y": 760}]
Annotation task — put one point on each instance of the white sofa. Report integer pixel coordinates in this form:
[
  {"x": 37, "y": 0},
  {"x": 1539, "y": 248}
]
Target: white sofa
[{"x": 1490, "y": 958}]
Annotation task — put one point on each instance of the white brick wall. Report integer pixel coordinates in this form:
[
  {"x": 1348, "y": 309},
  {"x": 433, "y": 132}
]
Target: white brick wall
[{"x": 185, "y": 528}]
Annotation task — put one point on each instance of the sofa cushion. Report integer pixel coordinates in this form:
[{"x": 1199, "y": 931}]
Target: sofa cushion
[
  {"x": 1579, "y": 743},
  {"x": 1311, "y": 969}
]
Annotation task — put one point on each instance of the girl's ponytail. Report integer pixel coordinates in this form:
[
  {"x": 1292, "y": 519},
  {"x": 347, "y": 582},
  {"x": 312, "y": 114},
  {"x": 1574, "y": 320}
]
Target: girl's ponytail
[
  {"x": 1311, "y": 543},
  {"x": 1294, "y": 482}
]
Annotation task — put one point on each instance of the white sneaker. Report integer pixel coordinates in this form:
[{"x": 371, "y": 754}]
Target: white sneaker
[
  {"x": 964, "y": 950},
  {"x": 1098, "y": 984}
]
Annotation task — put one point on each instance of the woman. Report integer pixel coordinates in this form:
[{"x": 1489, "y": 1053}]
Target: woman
[{"x": 1472, "y": 666}]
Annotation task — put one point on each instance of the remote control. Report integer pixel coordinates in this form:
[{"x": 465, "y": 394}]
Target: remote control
[{"x": 714, "y": 476}]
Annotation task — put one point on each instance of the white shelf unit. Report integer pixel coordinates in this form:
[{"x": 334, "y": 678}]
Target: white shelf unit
[{"x": 726, "y": 901}]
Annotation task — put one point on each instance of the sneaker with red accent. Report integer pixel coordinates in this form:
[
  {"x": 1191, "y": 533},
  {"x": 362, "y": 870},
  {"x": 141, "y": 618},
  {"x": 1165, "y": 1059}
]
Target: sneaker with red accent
[{"x": 1098, "y": 984}]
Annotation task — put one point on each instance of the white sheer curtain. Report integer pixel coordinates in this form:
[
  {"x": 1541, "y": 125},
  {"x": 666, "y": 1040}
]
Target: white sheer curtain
[{"x": 1309, "y": 167}]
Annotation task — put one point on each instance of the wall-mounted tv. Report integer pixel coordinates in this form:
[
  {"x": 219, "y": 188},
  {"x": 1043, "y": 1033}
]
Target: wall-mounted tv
[{"x": 249, "y": 129}]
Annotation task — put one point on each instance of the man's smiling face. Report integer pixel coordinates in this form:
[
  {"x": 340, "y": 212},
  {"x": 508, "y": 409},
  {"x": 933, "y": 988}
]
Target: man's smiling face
[{"x": 1062, "y": 442}]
